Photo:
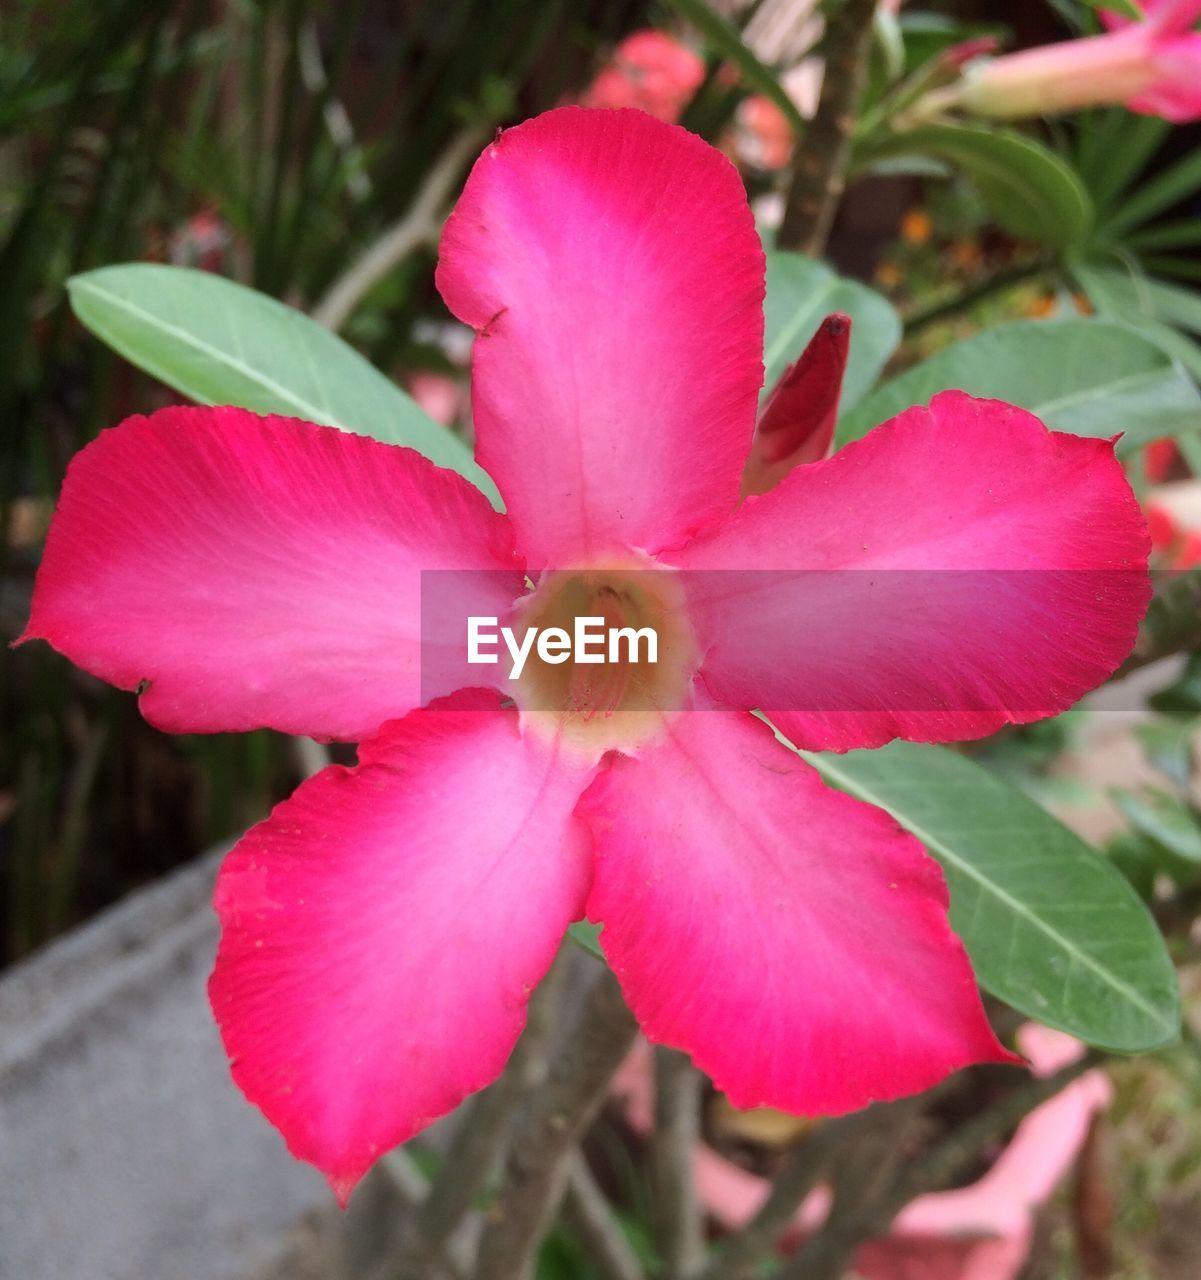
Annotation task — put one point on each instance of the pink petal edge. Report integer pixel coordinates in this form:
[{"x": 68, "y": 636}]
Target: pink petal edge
[
  {"x": 792, "y": 939},
  {"x": 242, "y": 572},
  {"x": 610, "y": 267},
  {"x": 384, "y": 928}
]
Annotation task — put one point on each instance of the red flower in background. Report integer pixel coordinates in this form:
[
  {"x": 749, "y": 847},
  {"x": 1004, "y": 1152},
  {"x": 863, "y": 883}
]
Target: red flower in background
[{"x": 651, "y": 71}]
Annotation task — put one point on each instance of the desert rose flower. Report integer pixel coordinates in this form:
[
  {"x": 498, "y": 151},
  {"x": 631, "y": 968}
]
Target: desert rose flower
[
  {"x": 383, "y": 929},
  {"x": 1152, "y": 66}
]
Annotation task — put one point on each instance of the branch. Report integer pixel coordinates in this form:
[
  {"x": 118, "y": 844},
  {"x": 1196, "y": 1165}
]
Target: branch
[
  {"x": 479, "y": 1142},
  {"x": 1007, "y": 279},
  {"x": 535, "y": 1172},
  {"x": 742, "y": 1253},
  {"x": 591, "y": 1216},
  {"x": 679, "y": 1224},
  {"x": 946, "y": 1159},
  {"x": 826, "y": 1254},
  {"x": 420, "y": 226},
  {"x": 820, "y": 175},
  {"x": 410, "y": 1186},
  {"x": 863, "y": 1177}
]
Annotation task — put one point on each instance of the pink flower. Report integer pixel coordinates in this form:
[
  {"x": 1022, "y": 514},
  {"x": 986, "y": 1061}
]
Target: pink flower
[
  {"x": 1174, "y": 520},
  {"x": 384, "y": 928},
  {"x": 1152, "y": 66},
  {"x": 652, "y": 71},
  {"x": 438, "y": 394}
]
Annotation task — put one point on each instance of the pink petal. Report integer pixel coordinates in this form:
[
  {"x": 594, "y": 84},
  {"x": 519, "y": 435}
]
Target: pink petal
[
  {"x": 959, "y": 569},
  {"x": 610, "y": 265},
  {"x": 384, "y": 928},
  {"x": 1175, "y": 94},
  {"x": 797, "y": 423},
  {"x": 247, "y": 571},
  {"x": 1171, "y": 16},
  {"x": 1158, "y": 15},
  {"x": 792, "y": 939}
]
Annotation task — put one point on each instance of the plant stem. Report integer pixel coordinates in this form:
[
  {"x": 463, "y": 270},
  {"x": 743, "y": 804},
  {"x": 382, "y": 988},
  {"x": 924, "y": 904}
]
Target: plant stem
[
  {"x": 679, "y": 1226},
  {"x": 1003, "y": 280},
  {"x": 535, "y": 1172},
  {"x": 480, "y": 1140},
  {"x": 827, "y": 1253},
  {"x": 865, "y": 1175},
  {"x": 820, "y": 175},
  {"x": 741, "y": 1254},
  {"x": 591, "y": 1216},
  {"x": 419, "y": 227}
]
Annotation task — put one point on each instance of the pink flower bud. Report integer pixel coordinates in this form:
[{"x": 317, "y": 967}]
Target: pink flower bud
[{"x": 1153, "y": 67}]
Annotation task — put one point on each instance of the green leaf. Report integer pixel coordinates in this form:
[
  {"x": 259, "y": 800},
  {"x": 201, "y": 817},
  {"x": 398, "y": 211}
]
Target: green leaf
[
  {"x": 1126, "y": 8},
  {"x": 1167, "y": 743},
  {"x": 724, "y": 38},
  {"x": 1130, "y": 294},
  {"x": 801, "y": 292},
  {"x": 1051, "y": 927},
  {"x": 220, "y": 343},
  {"x": 1089, "y": 377},
  {"x": 1168, "y": 187},
  {"x": 1029, "y": 190},
  {"x": 1122, "y": 151},
  {"x": 1154, "y": 309},
  {"x": 1164, "y": 819},
  {"x": 1180, "y": 233},
  {"x": 586, "y": 936},
  {"x": 1183, "y": 696}
]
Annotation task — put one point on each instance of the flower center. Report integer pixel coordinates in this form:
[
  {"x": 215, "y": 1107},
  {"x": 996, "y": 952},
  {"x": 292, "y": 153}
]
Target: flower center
[{"x": 611, "y": 692}]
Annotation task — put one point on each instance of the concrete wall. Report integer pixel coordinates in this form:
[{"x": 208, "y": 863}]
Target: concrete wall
[{"x": 125, "y": 1151}]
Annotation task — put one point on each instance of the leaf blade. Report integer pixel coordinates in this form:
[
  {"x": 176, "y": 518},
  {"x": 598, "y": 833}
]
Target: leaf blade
[
  {"x": 1060, "y": 935},
  {"x": 1088, "y": 377},
  {"x": 727, "y": 40},
  {"x": 801, "y": 292},
  {"x": 220, "y": 343},
  {"x": 1028, "y": 189}
]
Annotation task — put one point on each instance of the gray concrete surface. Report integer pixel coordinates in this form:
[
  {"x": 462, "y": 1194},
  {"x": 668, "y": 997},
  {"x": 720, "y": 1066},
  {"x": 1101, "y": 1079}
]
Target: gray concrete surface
[{"x": 125, "y": 1151}]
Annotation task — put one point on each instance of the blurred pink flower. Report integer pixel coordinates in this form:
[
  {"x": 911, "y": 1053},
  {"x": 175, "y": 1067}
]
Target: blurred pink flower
[
  {"x": 1174, "y": 520},
  {"x": 652, "y": 71},
  {"x": 438, "y": 394},
  {"x": 762, "y": 133},
  {"x": 1152, "y": 66},
  {"x": 201, "y": 242}
]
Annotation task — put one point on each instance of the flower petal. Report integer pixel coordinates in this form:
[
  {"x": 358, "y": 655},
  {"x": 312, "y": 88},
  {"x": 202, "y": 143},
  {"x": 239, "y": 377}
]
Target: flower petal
[
  {"x": 610, "y": 266},
  {"x": 382, "y": 931},
  {"x": 1175, "y": 94},
  {"x": 1171, "y": 16},
  {"x": 792, "y": 939},
  {"x": 959, "y": 569},
  {"x": 242, "y": 571},
  {"x": 797, "y": 423}
]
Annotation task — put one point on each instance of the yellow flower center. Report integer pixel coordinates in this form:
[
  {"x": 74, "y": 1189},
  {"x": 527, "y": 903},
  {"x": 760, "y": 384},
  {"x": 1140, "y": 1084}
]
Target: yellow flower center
[{"x": 636, "y": 664}]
